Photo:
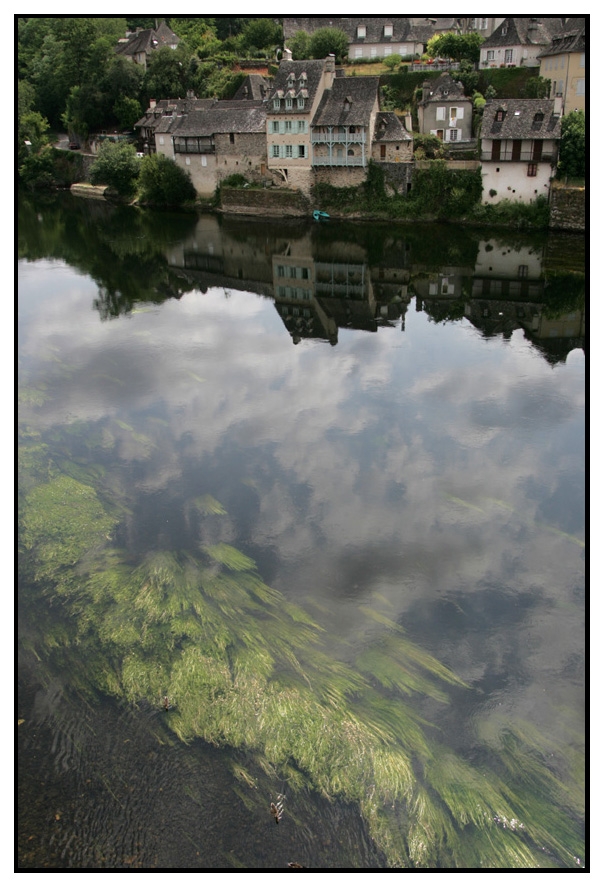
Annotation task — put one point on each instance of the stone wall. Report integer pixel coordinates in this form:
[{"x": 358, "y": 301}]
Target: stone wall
[
  {"x": 268, "y": 202},
  {"x": 398, "y": 177},
  {"x": 340, "y": 176},
  {"x": 567, "y": 208}
]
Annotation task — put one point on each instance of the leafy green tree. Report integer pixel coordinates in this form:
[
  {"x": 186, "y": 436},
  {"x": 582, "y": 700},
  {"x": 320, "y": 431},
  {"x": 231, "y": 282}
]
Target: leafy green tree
[
  {"x": 329, "y": 41},
  {"x": 127, "y": 111},
  {"x": 393, "y": 61},
  {"x": 455, "y": 46},
  {"x": 118, "y": 166},
  {"x": 572, "y": 145},
  {"x": 300, "y": 45},
  {"x": 164, "y": 183},
  {"x": 166, "y": 76},
  {"x": 537, "y": 88},
  {"x": 198, "y": 33},
  {"x": 263, "y": 34}
]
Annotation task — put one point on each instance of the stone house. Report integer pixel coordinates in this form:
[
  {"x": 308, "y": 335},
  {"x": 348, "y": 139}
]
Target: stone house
[
  {"x": 519, "y": 41},
  {"x": 563, "y": 64},
  {"x": 156, "y": 114},
  {"x": 370, "y": 36},
  {"x": 291, "y": 105},
  {"x": 138, "y": 46},
  {"x": 213, "y": 143},
  {"x": 444, "y": 110},
  {"x": 519, "y": 148},
  {"x": 391, "y": 143},
  {"x": 343, "y": 126}
]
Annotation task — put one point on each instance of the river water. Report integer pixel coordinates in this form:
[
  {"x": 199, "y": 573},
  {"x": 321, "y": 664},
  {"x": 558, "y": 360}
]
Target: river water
[{"x": 301, "y": 522}]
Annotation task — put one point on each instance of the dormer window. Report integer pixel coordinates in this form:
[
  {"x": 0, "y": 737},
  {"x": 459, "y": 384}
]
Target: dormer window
[
  {"x": 289, "y": 104},
  {"x": 500, "y": 115},
  {"x": 387, "y": 30},
  {"x": 276, "y": 103},
  {"x": 303, "y": 78},
  {"x": 300, "y": 102},
  {"x": 361, "y": 31},
  {"x": 539, "y": 117}
]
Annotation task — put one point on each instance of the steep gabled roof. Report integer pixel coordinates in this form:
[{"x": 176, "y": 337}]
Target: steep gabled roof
[
  {"x": 570, "y": 39},
  {"x": 388, "y": 128},
  {"x": 533, "y": 31},
  {"x": 147, "y": 40},
  {"x": 522, "y": 119},
  {"x": 255, "y": 87},
  {"x": 374, "y": 27},
  {"x": 305, "y": 77},
  {"x": 349, "y": 102},
  {"x": 222, "y": 117},
  {"x": 444, "y": 88}
]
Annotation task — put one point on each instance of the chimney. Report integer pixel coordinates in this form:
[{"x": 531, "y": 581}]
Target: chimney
[
  {"x": 287, "y": 54},
  {"x": 558, "y": 105},
  {"x": 330, "y": 63},
  {"x": 152, "y": 103}
]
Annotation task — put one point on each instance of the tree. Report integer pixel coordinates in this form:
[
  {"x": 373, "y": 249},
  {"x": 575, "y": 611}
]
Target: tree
[
  {"x": 537, "y": 88},
  {"x": 127, "y": 111},
  {"x": 166, "y": 74},
  {"x": 261, "y": 34},
  {"x": 455, "y": 46},
  {"x": 329, "y": 41},
  {"x": 164, "y": 183},
  {"x": 118, "y": 166},
  {"x": 572, "y": 145},
  {"x": 392, "y": 61},
  {"x": 300, "y": 45}
]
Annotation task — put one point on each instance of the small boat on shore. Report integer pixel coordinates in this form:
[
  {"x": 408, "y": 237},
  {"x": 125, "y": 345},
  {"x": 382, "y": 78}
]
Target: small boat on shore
[{"x": 318, "y": 215}]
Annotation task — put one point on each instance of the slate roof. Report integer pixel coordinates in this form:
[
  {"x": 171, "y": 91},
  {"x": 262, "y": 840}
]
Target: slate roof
[
  {"x": 255, "y": 87},
  {"x": 374, "y": 26},
  {"x": 169, "y": 108},
  {"x": 349, "y": 102},
  {"x": 307, "y": 88},
  {"x": 147, "y": 40},
  {"x": 444, "y": 88},
  {"x": 534, "y": 31},
  {"x": 223, "y": 116},
  {"x": 570, "y": 39},
  {"x": 521, "y": 119},
  {"x": 389, "y": 128}
]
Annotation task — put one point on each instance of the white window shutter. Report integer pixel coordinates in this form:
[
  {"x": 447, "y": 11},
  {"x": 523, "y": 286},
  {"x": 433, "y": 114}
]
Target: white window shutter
[{"x": 440, "y": 113}]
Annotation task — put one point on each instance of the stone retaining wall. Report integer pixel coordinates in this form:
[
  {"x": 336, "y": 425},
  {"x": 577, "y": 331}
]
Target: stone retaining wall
[
  {"x": 567, "y": 208},
  {"x": 271, "y": 202}
]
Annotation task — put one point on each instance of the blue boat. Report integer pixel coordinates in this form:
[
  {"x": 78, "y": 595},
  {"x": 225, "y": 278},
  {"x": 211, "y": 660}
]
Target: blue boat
[{"x": 318, "y": 215}]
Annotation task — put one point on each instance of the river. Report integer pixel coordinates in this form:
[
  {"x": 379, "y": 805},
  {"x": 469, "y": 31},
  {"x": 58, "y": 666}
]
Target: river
[{"x": 301, "y": 523}]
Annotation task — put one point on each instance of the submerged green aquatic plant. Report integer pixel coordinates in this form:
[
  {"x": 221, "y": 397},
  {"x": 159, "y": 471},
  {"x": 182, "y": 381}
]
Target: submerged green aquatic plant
[{"x": 246, "y": 668}]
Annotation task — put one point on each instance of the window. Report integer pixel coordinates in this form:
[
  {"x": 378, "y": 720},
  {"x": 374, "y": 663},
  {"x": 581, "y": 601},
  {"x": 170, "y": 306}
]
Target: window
[
  {"x": 361, "y": 31},
  {"x": 275, "y": 150},
  {"x": 509, "y": 53},
  {"x": 453, "y": 114},
  {"x": 161, "y": 140},
  {"x": 500, "y": 115},
  {"x": 289, "y": 125},
  {"x": 280, "y": 271},
  {"x": 522, "y": 270},
  {"x": 188, "y": 161},
  {"x": 276, "y": 104},
  {"x": 388, "y": 51},
  {"x": 453, "y": 135},
  {"x": 301, "y": 150},
  {"x": 275, "y": 126},
  {"x": 581, "y": 86},
  {"x": 440, "y": 113},
  {"x": 289, "y": 151},
  {"x": 301, "y": 126},
  {"x": 387, "y": 30},
  {"x": 289, "y": 104},
  {"x": 504, "y": 30},
  {"x": 531, "y": 170},
  {"x": 582, "y": 60},
  {"x": 232, "y": 138},
  {"x": 490, "y": 55},
  {"x": 300, "y": 102},
  {"x": 373, "y": 52},
  {"x": 358, "y": 53},
  {"x": 483, "y": 24}
]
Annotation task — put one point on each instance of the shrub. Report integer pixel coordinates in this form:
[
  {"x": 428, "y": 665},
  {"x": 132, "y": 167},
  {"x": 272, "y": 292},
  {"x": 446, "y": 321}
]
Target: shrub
[
  {"x": 164, "y": 183},
  {"x": 117, "y": 166}
]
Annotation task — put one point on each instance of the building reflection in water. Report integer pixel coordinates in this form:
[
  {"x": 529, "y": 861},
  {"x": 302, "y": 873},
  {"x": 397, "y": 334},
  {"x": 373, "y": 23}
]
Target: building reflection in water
[{"x": 321, "y": 286}]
